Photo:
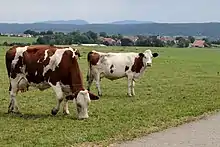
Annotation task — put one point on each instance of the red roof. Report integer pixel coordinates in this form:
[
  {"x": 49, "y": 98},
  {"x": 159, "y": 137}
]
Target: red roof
[
  {"x": 199, "y": 43},
  {"x": 109, "y": 40}
]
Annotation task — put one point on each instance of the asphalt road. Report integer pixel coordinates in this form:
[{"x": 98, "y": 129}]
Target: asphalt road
[{"x": 202, "y": 133}]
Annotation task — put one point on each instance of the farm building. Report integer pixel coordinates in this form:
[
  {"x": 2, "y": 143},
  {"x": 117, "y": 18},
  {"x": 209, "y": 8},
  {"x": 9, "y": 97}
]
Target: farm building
[
  {"x": 109, "y": 41},
  {"x": 199, "y": 43}
]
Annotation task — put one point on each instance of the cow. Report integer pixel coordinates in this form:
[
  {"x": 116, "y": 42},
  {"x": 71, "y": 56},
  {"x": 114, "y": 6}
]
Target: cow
[
  {"x": 114, "y": 66},
  {"x": 43, "y": 67}
]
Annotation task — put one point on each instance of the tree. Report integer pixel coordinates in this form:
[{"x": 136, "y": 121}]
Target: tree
[
  {"x": 126, "y": 42},
  {"x": 103, "y": 34},
  {"x": 42, "y": 33},
  {"x": 74, "y": 33},
  {"x": 31, "y": 32},
  {"x": 49, "y": 32},
  {"x": 183, "y": 43},
  {"x": 115, "y": 37},
  {"x": 191, "y": 39},
  {"x": 120, "y": 36},
  {"x": 216, "y": 42},
  {"x": 179, "y": 38},
  {"x": 5, "y": 43},
  {"x": 68, "y": 40},
  {"x": 28, "y": 32},
  {"x": 149, "y": 41},
  {"x": 93, "y": 36},
  {"x": 170, "y": 43},
  {"x": 207, "y": 41},
  {"x": 75, "y": 37},
  {"x": 41, "y": 40},
  {"x": 52, "y": 42}
]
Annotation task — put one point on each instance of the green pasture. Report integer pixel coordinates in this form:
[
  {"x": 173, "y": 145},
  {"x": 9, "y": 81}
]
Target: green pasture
[
  {"x": 182, "y": 85},
  {"x": 16, "y": 39}
]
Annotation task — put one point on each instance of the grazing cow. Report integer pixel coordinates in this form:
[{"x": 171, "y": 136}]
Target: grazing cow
[
  {"x": 44, "y": 66},
  {"x": 117, "y": 65}
]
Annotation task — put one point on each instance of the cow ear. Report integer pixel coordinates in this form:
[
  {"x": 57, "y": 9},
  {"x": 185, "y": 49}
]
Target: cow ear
[
  {"x": 141, "y": 54},
  {"x": 93, "y": 97},
  {"x": 155, "y": 54}
]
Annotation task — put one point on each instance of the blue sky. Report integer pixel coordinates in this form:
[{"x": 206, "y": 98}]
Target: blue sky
[{"x": 98, "y": 11}]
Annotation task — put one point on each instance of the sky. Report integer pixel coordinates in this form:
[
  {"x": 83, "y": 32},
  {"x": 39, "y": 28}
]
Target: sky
[{"x": 102, "y": 11}]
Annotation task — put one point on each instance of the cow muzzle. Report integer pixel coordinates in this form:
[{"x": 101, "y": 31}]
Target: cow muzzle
[
  {"x": 82, "y": 117},
  {"x": 149, "y": 64}
]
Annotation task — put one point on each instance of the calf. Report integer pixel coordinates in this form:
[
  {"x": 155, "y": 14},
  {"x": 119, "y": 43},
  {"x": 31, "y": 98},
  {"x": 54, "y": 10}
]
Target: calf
[
  {"x": 44, "y": 66},
  {"x": 117, "y": 65}
]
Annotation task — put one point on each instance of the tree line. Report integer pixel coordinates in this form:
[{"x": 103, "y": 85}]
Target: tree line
[{"x": 90, "y": 37}]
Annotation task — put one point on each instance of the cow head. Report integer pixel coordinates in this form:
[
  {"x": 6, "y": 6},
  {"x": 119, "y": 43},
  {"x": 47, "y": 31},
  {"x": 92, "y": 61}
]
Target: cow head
[
  {"x": 83, "y": 99},
  {"x": 147, "y": 57},
  {"x": 77, "y": 53}
]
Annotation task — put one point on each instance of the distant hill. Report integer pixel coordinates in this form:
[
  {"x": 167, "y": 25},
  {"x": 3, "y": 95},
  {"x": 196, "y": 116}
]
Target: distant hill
[
  {"x": 170, "y": 29},
  {"x": 83, "y": 22},
  {"x": 76, "y": 22},
  {"x": 131, "y": 22}
]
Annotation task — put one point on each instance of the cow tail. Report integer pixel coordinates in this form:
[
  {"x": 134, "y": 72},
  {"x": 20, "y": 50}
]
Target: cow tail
[
  {"x": 89, "y": 67},
  {"x": 8, "y": 61}
]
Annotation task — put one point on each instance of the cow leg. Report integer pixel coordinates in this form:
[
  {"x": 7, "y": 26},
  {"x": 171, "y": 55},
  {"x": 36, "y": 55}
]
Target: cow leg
[
  {"x": 65, "y": 107},
  {"x": 98, "y": 87},
  {"x": 59, "y": 93},
  {"x": 89, "y": 82},
  {"x": 129, "y": 86},
  {"x": 13, "y": 107},
  {"x": 132, "y": 87}
]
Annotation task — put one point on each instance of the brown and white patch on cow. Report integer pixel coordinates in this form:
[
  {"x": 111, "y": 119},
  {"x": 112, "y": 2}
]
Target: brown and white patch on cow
[
  {"x": 93, "y": 58},
  {"x": 19, "y": 53},
  {"x": 138, "y": 63},
  {"x": 45, "y": 55},
  {"x": 55, "y": 59}
]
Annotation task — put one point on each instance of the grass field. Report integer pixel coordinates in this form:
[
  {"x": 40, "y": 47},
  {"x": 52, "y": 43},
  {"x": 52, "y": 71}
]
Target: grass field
[
  {"x": 16, "y": 39},
  {"x": 182, "y": 84}
]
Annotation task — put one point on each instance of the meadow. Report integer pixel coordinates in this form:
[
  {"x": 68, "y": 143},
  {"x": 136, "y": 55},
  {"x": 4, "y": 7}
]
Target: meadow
[
  {"x": 16, "y": 39},
  {"x": 181, "y": 86}
]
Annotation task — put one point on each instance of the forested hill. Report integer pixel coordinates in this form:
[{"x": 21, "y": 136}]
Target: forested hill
[{"x": 188, "y": 29}]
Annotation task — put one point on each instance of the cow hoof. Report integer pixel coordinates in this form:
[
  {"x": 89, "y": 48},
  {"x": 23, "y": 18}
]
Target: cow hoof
[
  {"x": 129, "y": 95},
  {"x": 17, "y": 112},
  {"x": 9, "y": 111},
  {"x": 65, "y": 113},
  {"x": 99, "y": 94},
  {"x": 54, "y": 111}
]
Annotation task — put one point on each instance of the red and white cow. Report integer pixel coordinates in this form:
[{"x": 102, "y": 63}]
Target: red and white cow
[
  {"x": 117, "y": 65},
  {"x": 44, "y": 66}
]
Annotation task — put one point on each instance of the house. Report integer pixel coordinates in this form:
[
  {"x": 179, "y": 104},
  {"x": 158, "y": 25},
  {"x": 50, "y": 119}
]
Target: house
[
  {"x": 166, "y": 39},
  {"x": 109, "y": 41},
  {"x": 199, "y": 43}
]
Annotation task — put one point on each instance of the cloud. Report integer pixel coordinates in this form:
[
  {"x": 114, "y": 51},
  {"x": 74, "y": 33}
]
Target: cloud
[{"x": 111, "y": 10}]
